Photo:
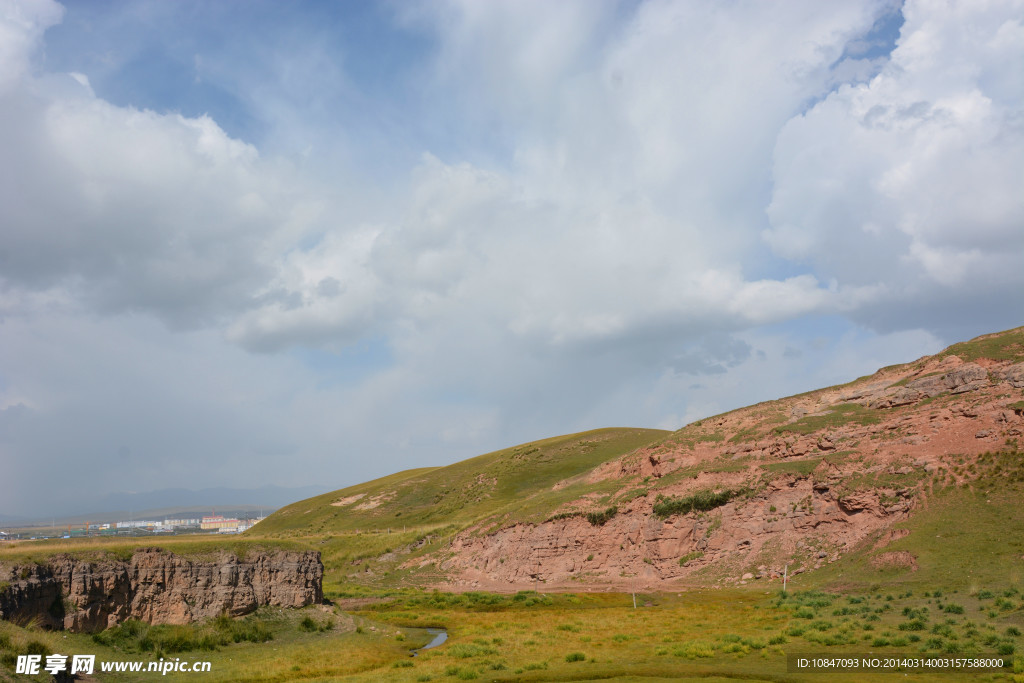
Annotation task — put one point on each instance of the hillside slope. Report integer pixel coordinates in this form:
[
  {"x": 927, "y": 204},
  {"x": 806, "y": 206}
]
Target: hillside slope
[
  {"x": 809, "y": 482},
  {"x": 514, "y": 483}
]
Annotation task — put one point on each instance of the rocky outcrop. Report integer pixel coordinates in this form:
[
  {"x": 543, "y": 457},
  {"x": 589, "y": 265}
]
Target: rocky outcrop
[
  {"x": 822, "y": 473},
  {"x": 795, "y": 518},
  {"x": 157, "y": 587},
  {"x": 967, "y": 377}
]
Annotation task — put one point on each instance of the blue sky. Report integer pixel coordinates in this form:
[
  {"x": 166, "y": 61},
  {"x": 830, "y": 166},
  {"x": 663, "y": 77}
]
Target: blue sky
[{"x": 247, "y": 243}]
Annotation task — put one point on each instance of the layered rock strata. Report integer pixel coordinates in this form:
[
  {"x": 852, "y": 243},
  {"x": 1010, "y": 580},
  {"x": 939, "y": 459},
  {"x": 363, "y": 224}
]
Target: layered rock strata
[
  {"x": 157, "y": 587},
  {"x": 821, "y": 473}
]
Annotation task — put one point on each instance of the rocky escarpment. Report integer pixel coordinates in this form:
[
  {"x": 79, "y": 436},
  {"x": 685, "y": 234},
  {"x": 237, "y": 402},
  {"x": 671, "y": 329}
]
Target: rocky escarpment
[
  {"x": 801, "y": 521},
  {"x": 815, "y": 476},
  {"x": 157, "y": 587}
]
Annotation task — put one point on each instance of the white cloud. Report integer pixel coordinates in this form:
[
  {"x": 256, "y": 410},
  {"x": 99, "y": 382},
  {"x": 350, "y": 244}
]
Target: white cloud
[
  {"x": 913, "y": 179},
  {"x": 21, "y": 26},
  {"x": 586, "y": 248},
  {"x": 135, "y": 210}
]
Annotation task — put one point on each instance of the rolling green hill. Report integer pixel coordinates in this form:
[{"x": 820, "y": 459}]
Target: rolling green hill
[{"x": 523, "y": 483}]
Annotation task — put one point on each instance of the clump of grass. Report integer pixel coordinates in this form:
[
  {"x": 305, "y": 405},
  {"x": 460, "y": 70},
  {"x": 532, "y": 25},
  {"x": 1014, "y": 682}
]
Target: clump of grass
[
  {"x": 690, "y": 557},
  {"x": 575, "y": 657},
  {"x": 695, "y": 649},
  {"x": 468, "y": 650},
  {"x": 600, "y": 518},
  {"x": 913, "y": 625},
  {"x": 842, "y": 414},
  {"x": 700, "y": 501}
]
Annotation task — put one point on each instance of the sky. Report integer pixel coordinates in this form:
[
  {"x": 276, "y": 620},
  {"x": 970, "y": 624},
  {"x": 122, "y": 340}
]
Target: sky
[{"x": 252, "y": 243}]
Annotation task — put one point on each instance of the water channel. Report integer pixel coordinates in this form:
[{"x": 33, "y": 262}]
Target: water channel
[{"x": 440, "y": 635}]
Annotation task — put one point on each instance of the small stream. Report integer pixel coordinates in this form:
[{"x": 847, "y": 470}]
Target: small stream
[{"x": 440, "y": 635}]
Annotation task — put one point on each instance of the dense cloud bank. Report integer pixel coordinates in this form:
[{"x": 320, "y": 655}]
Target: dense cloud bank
[{"x": 604, "y": 214}]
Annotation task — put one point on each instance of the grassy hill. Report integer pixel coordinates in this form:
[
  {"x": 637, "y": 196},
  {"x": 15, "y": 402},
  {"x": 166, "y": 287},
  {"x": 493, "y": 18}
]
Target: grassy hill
[
  {"x": 517, "y": 483},
  {"x": 893, "y": 502},
  {"x": 810, "y": 481}
]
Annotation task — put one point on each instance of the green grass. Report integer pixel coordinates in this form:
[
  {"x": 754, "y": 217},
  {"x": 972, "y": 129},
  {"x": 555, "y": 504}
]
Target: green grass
[
  {"x": 1003, "y": 346},
  {"x": 838, "y": 416},
  {"x": 949, "y": 552},
  {"x": 514, "y": 484},
  {"x": 190, "y": 547},
  {"x": 699, "y": 501}
]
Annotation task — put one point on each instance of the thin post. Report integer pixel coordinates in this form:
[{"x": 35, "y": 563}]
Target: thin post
[{"x": 785, "y": 577}]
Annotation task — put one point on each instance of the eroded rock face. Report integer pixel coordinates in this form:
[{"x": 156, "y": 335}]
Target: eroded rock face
[
  {"x": 157, "y": 587},
  {"x": 793, "y": 517},
  {"x": 824, "y": 473}
]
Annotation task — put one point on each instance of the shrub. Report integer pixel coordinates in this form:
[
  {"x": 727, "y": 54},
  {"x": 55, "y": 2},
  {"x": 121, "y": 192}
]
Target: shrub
[
  {"x": 599, "y": 518},
  {"x": 695, "y": 649},
  {"x": 700, "y": 501},
  {"x": 688, "y": 557},
  {"x": 467, "y": 650},
  {"x": 913, "y": 625},
  {"x": 575, "y": 657}
]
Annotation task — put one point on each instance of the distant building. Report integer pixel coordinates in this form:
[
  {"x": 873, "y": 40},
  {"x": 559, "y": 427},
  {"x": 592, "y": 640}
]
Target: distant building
[
  {"x": 142, "y": 524},
  {"x": 219, "y": 523},
  {"x": 181, "y": 522}
]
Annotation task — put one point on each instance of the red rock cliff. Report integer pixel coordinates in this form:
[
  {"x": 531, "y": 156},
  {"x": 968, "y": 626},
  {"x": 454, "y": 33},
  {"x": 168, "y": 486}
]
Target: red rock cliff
[{"x": 157, "y": 587}]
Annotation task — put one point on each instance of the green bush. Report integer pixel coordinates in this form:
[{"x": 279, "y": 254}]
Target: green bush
[
  {"x": 689, "y": 557},
  {"x": 700, "y": 501},
  {"x": 600, "y": 518},
  {"x": 575, "y": 657},
  {"x": 467, "y": 650},
  {"x": 913, "y": 625}
]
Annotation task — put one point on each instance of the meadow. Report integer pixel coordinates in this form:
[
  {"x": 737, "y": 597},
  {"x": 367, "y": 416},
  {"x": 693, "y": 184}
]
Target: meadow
[
  {"x": 947, "y": 580},
  {"x": 965, "y": 598}
]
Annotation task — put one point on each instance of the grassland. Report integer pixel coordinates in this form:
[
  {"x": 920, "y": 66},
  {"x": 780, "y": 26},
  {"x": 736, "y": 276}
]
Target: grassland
[
  {"x": 965, "y": 596},
  {"x": 195, "y": 547},
  {"x": 512, "y": 484},
  {"x": 951, "y": 580}
]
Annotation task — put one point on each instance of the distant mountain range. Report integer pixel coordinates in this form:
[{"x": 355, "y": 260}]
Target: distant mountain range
[{"x": 155, "y": 504}]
